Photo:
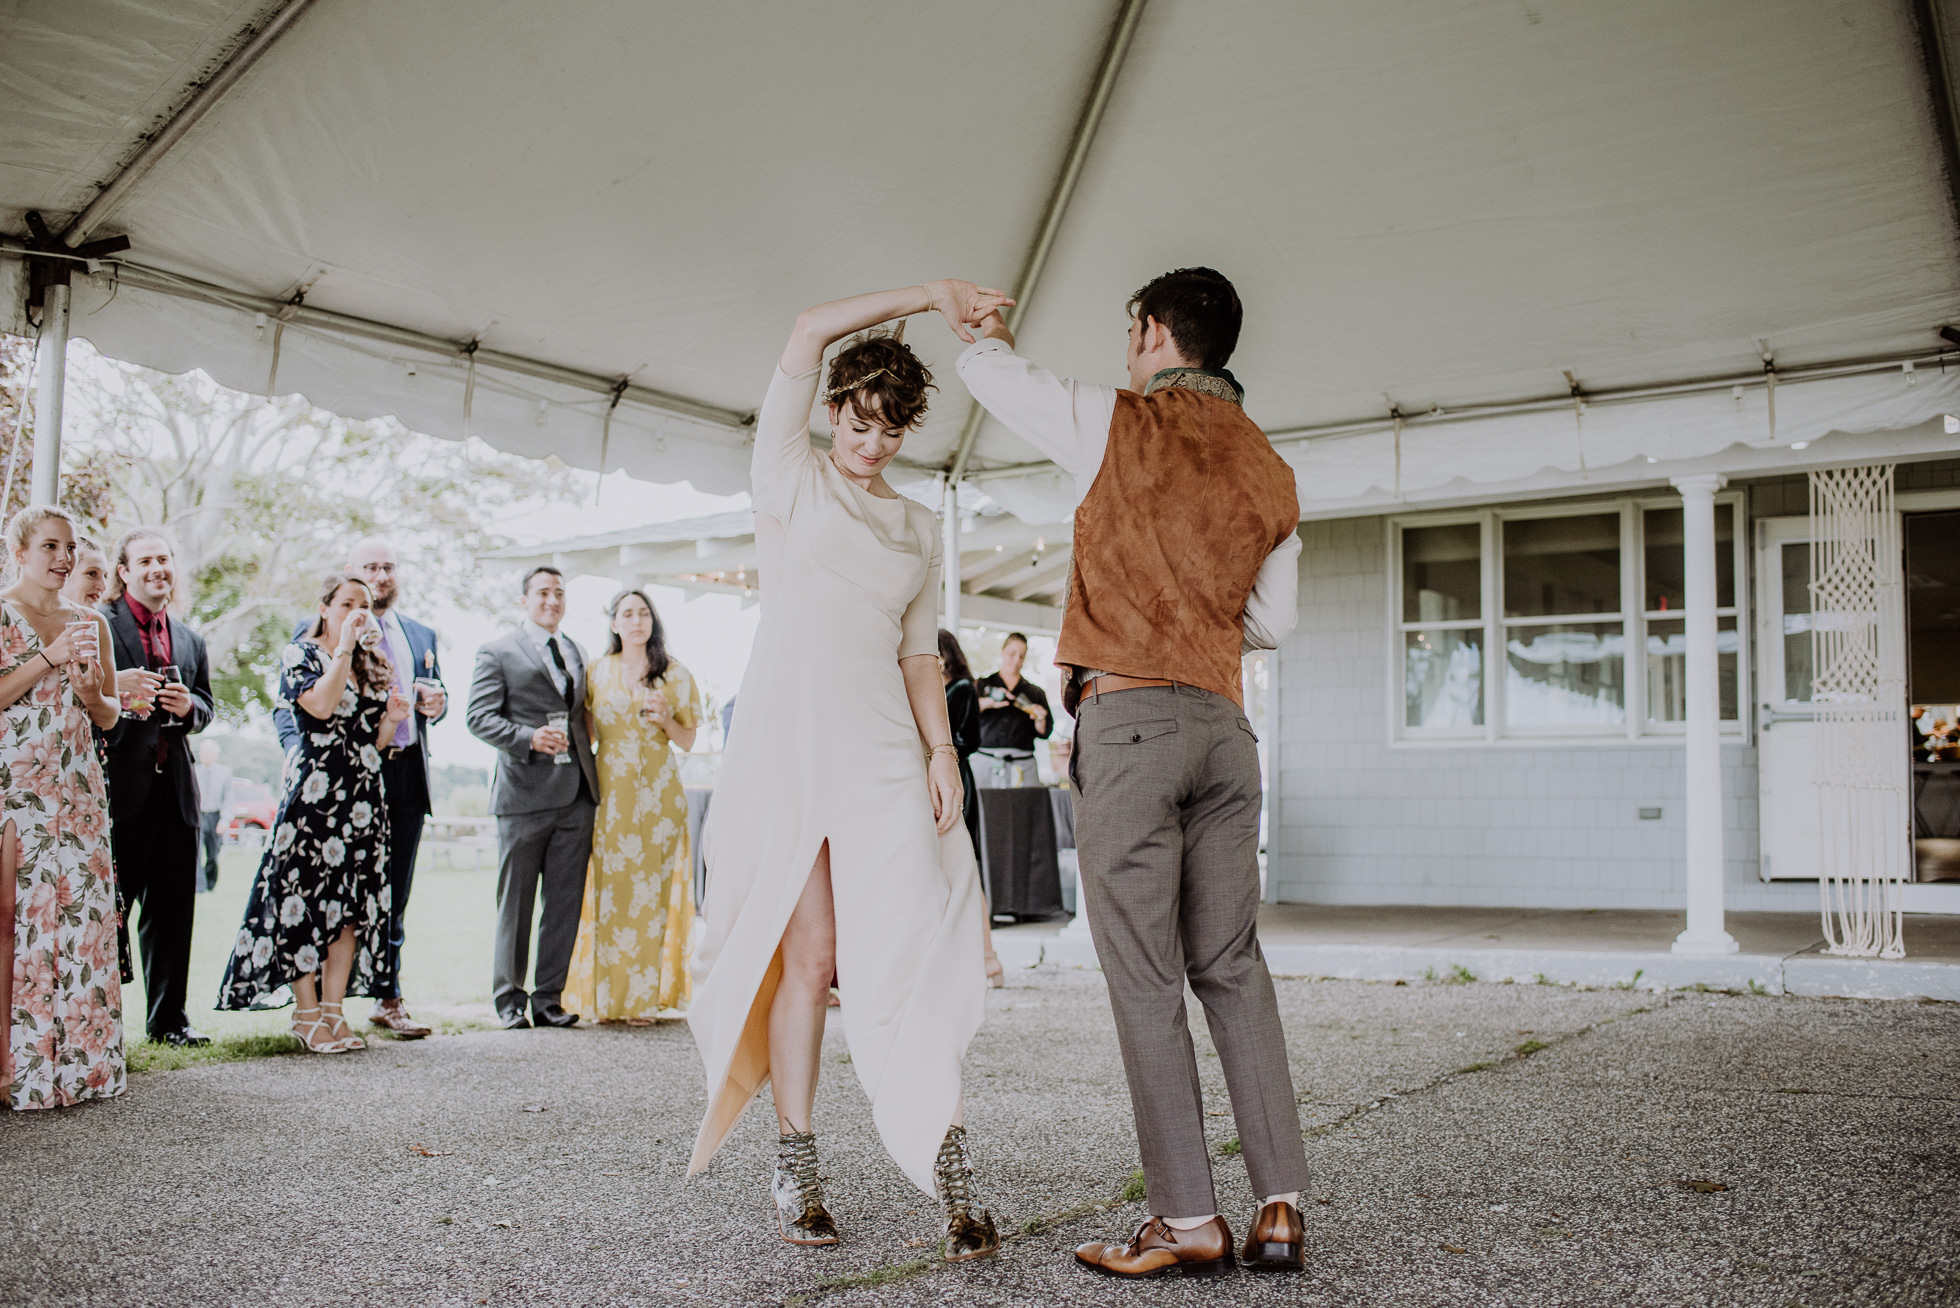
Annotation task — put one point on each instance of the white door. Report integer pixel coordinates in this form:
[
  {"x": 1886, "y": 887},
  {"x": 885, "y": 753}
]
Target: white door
[{"x": 1787, "y": 731}]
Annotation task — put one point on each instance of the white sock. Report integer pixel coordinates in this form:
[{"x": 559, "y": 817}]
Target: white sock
[
  {"x": 1186, "y": 1223},
  {"x": 1290, "y": 1197}
]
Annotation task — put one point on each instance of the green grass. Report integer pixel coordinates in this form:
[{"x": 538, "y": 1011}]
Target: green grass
[
  {"x": 1461, "y": 975},
  {"x": 148, "y": 1056},
  {"x": 1133, "y": 1189},
  {"x": 1529, "y": 1047},
  {"x": 1231, "y": 1148},
  {"x": 445, "y": 965}
]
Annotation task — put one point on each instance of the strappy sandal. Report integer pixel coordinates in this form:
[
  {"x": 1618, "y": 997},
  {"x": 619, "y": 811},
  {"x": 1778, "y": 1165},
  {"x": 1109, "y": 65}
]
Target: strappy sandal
[
  {"x": 347, "y": 1042},
  {"x": 311, "y": 1032}
]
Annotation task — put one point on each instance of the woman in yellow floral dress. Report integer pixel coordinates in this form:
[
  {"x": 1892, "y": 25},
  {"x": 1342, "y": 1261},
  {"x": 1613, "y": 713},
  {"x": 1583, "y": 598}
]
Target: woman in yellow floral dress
[{"x": 630, "y": 963}]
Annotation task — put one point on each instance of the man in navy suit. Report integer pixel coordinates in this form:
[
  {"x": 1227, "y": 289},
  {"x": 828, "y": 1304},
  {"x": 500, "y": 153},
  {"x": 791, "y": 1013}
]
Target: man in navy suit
[{"x": 411, "y": 650}]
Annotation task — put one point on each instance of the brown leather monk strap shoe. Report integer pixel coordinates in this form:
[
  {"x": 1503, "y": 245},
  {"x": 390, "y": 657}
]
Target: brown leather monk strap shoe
[
  {"x": 1158, "y": 1248},
  {"x": 1274, "y": 1244},
  {"x": 392, "y": 1015}
]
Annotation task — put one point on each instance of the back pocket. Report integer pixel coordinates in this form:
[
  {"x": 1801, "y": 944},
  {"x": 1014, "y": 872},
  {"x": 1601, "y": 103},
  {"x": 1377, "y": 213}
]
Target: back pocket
[{"x": 1135, "y": 733}]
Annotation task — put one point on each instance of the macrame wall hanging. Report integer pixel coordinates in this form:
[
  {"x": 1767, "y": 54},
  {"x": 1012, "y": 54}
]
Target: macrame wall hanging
[{"x": 1859, "y": 696}]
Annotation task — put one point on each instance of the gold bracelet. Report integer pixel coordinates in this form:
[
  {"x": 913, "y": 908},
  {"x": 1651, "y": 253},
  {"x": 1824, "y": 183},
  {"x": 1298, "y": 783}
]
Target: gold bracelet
[{"x": 936, "y": 748}]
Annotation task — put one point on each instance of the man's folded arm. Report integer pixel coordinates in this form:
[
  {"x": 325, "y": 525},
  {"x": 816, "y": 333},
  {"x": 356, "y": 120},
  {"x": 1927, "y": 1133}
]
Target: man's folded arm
[{"x": 1273, "y": 608}]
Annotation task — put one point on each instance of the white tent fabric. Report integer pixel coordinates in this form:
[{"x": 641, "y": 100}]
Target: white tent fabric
[{"x": 1422, "y": 205}]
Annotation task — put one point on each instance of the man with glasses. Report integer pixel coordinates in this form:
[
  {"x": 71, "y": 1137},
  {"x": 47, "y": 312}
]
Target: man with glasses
[{"x": 411, "y": 650}]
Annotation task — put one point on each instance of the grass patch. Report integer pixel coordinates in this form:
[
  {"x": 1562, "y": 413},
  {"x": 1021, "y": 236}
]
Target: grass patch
[
  {"x": 1756, "y": 987},
  {"x": 1529, "y": 1047},
  {"x": 1460, "y": 975},
  {"x": 1231, "y": 1148},
  {"x": 1133, "y": 1189},
  {"x": 1632, "y": 981},
  {"x": 1475, "y": 1067},
  {"x": 150, "y": 1056},
  {"x": 1540, "y": 979}
]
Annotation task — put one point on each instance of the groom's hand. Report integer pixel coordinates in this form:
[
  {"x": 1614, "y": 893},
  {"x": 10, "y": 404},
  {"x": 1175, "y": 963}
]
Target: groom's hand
[
  {"x": 994, "y": 328},
  {"x": 963, "y": 304}
]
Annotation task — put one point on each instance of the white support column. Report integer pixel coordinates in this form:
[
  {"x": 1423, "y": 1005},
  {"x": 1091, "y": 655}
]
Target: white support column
[
  {"x": 949, "y": 549},
  {"x": 1705, "y": 933},
  {"x": 46, "y": 485}
]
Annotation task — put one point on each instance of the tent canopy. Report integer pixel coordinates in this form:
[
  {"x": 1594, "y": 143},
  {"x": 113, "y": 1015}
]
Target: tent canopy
[{"x": 1425, "y": 208}]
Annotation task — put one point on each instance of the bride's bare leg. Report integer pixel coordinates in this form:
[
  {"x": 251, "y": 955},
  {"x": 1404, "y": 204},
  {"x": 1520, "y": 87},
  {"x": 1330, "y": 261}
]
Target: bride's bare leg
[{"x": 797, "y": 1014}]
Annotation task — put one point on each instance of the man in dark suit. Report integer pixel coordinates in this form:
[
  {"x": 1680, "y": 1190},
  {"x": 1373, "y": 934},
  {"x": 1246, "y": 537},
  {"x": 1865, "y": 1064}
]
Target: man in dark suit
[
  {"x": 411, "y": 650},
  {"x": 153, "y": 801},
  {"x": 543, "y": 803}
]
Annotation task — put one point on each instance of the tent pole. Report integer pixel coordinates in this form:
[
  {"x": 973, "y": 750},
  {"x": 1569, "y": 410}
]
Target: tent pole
[
  {"x": 950, "y": 554},
  {"x": 203, "y": 102},
  {"x": 46, "y": 485},
  {"x": 1051, "y": 216},
  {"x": 1705, "y": 933}
]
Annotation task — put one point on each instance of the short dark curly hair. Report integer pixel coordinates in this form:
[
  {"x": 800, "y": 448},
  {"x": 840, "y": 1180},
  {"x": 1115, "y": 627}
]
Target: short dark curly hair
[
  {"x": 1201, "y": 310},
  {"x": 882, "y": 378}
]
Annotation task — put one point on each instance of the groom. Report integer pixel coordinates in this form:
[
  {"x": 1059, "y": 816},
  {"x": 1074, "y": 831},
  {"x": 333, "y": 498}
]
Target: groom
[{"x": 1185, "y": 556}]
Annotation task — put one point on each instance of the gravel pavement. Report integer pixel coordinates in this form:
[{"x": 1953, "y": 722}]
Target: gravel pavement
[{"x": 1471, "y": 1144}]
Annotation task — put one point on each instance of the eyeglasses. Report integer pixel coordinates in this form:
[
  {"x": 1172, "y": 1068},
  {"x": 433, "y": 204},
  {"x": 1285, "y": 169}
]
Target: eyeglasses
[{"x": 378, "y": 567}]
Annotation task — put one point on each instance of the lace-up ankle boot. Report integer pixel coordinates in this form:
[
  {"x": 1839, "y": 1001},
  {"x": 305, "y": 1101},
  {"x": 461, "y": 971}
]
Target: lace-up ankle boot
[
  {"x": 798, "y": 1192},
  {"x": 967, "y": 1236}
]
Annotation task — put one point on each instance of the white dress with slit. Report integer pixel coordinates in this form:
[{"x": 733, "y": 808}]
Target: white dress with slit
[{"x": 823, "y": 747}]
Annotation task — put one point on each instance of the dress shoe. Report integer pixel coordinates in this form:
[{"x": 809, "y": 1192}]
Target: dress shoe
[
  {"x": 1274, "y": 1244},
  {"x": 513, "y": 1021},
  {"x": 1159, "y": 1248},
  {"x": 392, "y": 1015},
  {"x": 186, "y": 1037},
  {"x": 552, "y": 1015}
]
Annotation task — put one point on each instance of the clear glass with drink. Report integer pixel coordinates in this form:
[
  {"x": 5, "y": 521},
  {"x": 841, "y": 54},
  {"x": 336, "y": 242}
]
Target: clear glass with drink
[
  {"x": 427, "y": 691},
  {"x": 82, "y": 638},
  {"x": 562, "y": 724}
]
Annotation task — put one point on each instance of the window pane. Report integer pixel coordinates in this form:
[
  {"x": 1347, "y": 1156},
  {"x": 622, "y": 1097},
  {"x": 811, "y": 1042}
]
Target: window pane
[
  {"x": 1661, "y": 541},
  {"x": 1565, "y": 675},
  {"x": 1667, "y": 668},
  {"x": 1442, "y": 573},
  {"x": 1443, "y": 678},
  {"x": 1796, "y": 621},
  {"x": 1556, "y": 566}
]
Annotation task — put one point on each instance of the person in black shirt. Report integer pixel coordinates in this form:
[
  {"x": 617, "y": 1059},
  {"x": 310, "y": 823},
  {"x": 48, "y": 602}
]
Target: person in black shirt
[
  {"x": 963, "y": 712},
  {"x": 1014, "y": 714}
]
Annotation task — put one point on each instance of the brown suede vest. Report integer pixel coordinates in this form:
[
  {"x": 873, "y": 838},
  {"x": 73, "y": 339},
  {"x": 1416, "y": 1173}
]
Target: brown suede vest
[{"x": 1189, "y": 501}]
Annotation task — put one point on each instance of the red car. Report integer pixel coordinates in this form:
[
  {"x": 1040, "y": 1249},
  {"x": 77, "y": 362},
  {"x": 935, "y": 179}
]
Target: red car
[{"x": 252, "y": 806}]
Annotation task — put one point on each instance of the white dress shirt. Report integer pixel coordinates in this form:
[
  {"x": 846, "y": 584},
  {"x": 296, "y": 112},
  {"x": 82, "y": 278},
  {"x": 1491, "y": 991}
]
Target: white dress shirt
[
  {"x": 1069, "y": 422},
  {"x": 545, "y": 638}
]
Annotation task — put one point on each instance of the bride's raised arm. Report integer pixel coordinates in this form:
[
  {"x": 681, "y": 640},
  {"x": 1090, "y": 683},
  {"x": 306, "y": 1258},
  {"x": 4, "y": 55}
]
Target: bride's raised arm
[{"x": 962, "y": 303}]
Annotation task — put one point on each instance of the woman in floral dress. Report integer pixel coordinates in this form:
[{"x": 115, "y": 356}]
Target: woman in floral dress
[
  {"x": 317, "y": 920},
  {"x": 64, "y": 1033},
  {"x": 630, "y": 961}
]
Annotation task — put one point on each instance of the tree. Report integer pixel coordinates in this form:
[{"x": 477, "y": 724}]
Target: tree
[
  {"x": 85, "y": 490},
  {"x": 263, "y": 497}
]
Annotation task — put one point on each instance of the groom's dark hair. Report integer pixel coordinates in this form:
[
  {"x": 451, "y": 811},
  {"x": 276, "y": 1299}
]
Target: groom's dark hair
[{"x": 1201, "y": 310}]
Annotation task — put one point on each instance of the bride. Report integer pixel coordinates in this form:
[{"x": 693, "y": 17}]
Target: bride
[{"x": 835, "y": 843}]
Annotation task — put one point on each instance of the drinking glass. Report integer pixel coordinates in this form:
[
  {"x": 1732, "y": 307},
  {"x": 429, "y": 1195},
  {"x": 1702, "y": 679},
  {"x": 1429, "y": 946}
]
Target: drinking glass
[
  {"x": 561, "y": 722},
  {"x": 426, "y": 688}
]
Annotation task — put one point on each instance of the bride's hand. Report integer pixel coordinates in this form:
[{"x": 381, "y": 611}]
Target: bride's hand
[
  {"x": 963, "y": 304},
  {"x": 948, "y": 796}
]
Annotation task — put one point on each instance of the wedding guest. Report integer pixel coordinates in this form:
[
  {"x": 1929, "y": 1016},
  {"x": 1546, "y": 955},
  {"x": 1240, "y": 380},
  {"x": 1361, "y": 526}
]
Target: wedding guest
[
  {"x": 544, "y": 797},
  {"x": 411, "y": 650},
  {"x": 86, "y": 586},
  {"x": 89, "y": 580},
  {"x": 214, "y": 810},
  {"x": 153, "y": 805},
  {"x": 1014, "y": 714},
  {"x": 963, "y": 715},
  {"x": 630, "y": 962},
  {"x": 963, "y": 712},
  {"x": 316, "y": 925},
  {"x": 61, "y": 1033}
]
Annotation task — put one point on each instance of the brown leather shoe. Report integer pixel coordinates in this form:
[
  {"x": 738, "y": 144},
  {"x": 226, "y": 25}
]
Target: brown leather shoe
[
  {"x": 392, "y": 1015},
  {"x": 1157, "y": 1248},
  {"x": 1274, "y": 1244}
]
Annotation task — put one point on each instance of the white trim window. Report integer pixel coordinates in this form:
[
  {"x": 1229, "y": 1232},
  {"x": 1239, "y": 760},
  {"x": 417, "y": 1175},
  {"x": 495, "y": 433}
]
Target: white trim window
[{"x": 1555, "y": 622}]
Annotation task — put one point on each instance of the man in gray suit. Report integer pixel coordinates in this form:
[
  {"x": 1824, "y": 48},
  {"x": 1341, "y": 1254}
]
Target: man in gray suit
[{"x": 545, "y": 796}]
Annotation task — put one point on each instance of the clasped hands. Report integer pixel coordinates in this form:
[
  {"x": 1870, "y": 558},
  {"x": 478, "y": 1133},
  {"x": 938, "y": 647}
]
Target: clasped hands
[{"x": 965, "y": 305}]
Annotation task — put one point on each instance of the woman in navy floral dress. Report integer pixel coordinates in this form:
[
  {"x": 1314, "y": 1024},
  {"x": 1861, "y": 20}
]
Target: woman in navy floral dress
[{"x": 317, "y": 920}]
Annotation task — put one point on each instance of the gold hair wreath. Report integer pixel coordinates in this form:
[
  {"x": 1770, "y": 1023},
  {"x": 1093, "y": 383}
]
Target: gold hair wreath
[{"x": 835, "y": 392}]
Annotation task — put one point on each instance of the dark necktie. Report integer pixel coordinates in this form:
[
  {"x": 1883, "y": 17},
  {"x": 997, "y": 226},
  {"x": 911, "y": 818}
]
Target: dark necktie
[{"x": 571, "y": 696}]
